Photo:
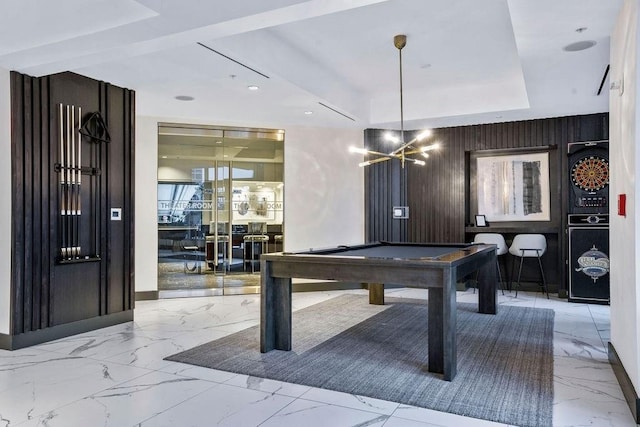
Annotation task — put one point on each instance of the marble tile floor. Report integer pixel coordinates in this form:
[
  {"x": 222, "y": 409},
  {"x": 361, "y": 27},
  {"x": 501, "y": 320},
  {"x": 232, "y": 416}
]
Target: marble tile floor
[
  {"x": 117, "y": 376},
  {"x": 172, "y": 276}
]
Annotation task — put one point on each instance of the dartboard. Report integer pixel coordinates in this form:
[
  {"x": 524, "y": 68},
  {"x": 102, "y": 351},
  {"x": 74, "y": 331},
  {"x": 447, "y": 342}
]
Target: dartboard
[{"x": 590, "y": 173}]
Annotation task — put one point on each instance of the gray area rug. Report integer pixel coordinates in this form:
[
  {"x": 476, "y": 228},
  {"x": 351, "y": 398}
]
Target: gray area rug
[{"x": 505, "y": 362}]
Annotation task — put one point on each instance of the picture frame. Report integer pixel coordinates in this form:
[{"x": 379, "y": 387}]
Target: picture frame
[
  {"x": 253, "y": 206},
  {"x": 481, "y": 221},
  {"x": 513, "y": 186}
]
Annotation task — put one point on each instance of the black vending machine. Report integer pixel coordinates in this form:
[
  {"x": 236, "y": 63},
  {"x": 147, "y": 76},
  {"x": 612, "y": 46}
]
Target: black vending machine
[{"x": 588, "y": 222}]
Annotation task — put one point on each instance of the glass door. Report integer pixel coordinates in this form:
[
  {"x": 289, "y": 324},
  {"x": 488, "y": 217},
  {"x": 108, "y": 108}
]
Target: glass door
[
  {"x": 218, "y": 254},
  {"x": 220, "y": 206},
  {"x": 256, "y": 203}
]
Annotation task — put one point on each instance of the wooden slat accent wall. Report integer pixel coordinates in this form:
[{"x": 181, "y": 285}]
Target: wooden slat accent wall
[
  {"x": 437, "y": 194},
  {"x": 30, "y": 203},
  {"x": 45, "y": 293},
  {"x": 384, "y": 188}
]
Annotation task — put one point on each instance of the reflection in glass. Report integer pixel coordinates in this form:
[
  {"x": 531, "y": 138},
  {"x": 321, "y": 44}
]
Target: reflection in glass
[{"x": 212, "y": 184}]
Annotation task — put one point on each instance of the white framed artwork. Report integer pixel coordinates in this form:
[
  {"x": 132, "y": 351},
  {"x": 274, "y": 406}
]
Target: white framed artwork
[{"x": 513, "y": 187}]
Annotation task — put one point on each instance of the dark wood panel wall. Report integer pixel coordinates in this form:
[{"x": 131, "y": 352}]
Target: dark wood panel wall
[
  {"x": 46, "y": 293},
  {"x": 438, "y": 194},
  {"x": 385, "y": 187}
]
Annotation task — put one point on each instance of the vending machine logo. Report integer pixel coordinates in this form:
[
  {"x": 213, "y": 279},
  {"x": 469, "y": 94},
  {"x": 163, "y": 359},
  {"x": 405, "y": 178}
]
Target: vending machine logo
[{"x": 593, "y": 263}]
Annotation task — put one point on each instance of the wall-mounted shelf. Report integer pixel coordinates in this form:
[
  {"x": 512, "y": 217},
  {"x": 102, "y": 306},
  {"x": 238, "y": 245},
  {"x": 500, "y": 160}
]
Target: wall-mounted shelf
[
  {"x": 80, "y": 260},
  {"x": 524, "y": 228}
]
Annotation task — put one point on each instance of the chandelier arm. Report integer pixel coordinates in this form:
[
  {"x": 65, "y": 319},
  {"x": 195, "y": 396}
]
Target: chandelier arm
[
  {"x": 379, "y": 160},
  {"x": 412, "y": 152},
  {"x": 421, "y": 150},
  {"x": 412, "y": 160},
  {"x": 378, "y": 153},
  {"x": 386, "y": 157},
  {"x": 403, "y": 147}
]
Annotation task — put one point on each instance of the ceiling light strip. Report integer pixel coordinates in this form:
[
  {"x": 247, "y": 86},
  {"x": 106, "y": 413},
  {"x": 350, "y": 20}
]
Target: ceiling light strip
[
  {"x": 336, "y": 111},
  {"x": 233, "y": 60}
]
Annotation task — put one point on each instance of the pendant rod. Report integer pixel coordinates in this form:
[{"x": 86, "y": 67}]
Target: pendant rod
[
  {"x": 399, "y": 42},
  {"x": 401, "y": 103}
]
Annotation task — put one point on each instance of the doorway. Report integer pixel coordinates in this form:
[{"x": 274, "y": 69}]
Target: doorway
[{"x": 220, "y": 205}]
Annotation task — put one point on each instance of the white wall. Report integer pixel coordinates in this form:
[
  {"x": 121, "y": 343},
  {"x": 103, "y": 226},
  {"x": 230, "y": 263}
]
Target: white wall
[
  {"x": 323, "y": 191},
  {"x": 324, "y": 188},
  {"x": 146, "y": 204},
  {"x": 5, "y": 203},
  {"x": 624, "y": 164}
]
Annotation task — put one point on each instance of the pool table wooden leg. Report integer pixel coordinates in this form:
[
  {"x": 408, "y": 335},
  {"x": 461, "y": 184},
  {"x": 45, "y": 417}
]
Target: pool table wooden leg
[
  {"x": 443, "y": 354},
  {"x": 275, "y": 311},
  {"x": 376, "y": 293},
  {"x": 487, "y": 288}
]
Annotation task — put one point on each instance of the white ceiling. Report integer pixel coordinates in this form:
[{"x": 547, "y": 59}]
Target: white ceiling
[{"x": 466, "y": 61}]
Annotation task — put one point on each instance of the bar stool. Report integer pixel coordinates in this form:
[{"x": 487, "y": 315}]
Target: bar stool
[
  {"x": 257, "y": 238},
  {"x": 251, "y": 243},
  {"x": 529, "y": 246},
  {"x": 501, "y": 249},
  {"x": 277, "y": 239},
  {"x": 191, "y": 253},
  {"x": 215, "y": 247}
]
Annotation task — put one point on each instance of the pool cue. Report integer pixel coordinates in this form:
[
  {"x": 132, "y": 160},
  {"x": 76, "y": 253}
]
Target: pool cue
[
  {"x": 79, "y": 173},
  {"x": 62, "y": 183},
  {"x": 69, "y": 165},
  {"x": 76, "y": 187},
  {"x": 74, "y": 171},
  {"x": 78, "y": 210}
]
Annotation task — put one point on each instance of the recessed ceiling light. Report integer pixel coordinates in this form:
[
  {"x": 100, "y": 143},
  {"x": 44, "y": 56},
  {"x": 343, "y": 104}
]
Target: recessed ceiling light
[
  {"x": 308, "y": 112},
  {"x": 185, "y": 98},
  {"x": 164, "y": 157},
  {"x": 578, "y": 46},
  {"x": 218, "y": 142},
  {"x": 253, "y": 87}
]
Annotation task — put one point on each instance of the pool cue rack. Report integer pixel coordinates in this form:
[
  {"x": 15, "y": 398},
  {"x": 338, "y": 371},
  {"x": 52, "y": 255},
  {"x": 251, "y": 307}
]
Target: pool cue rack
[{"x": 79, "y": 218}]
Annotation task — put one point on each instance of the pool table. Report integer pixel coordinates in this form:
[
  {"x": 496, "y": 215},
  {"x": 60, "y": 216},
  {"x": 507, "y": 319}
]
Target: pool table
[{"x": 435, "y": 267}]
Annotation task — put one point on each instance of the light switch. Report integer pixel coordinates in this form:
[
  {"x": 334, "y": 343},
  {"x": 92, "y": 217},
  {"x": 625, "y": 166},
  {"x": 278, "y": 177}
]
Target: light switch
[{"x": 116, "y": 214}]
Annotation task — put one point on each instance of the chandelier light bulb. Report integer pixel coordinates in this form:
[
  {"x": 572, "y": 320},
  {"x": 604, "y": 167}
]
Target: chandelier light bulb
[
  {"x": 430, "y": 147},
  {"x": 424, "y": 134},
  {"x": 391, "y": 138},
  {"x": 359, "y": 150}
]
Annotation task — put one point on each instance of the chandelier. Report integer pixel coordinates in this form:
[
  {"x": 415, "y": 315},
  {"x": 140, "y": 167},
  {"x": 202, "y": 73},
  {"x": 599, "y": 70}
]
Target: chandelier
[{"x": 406, "y": 148}]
